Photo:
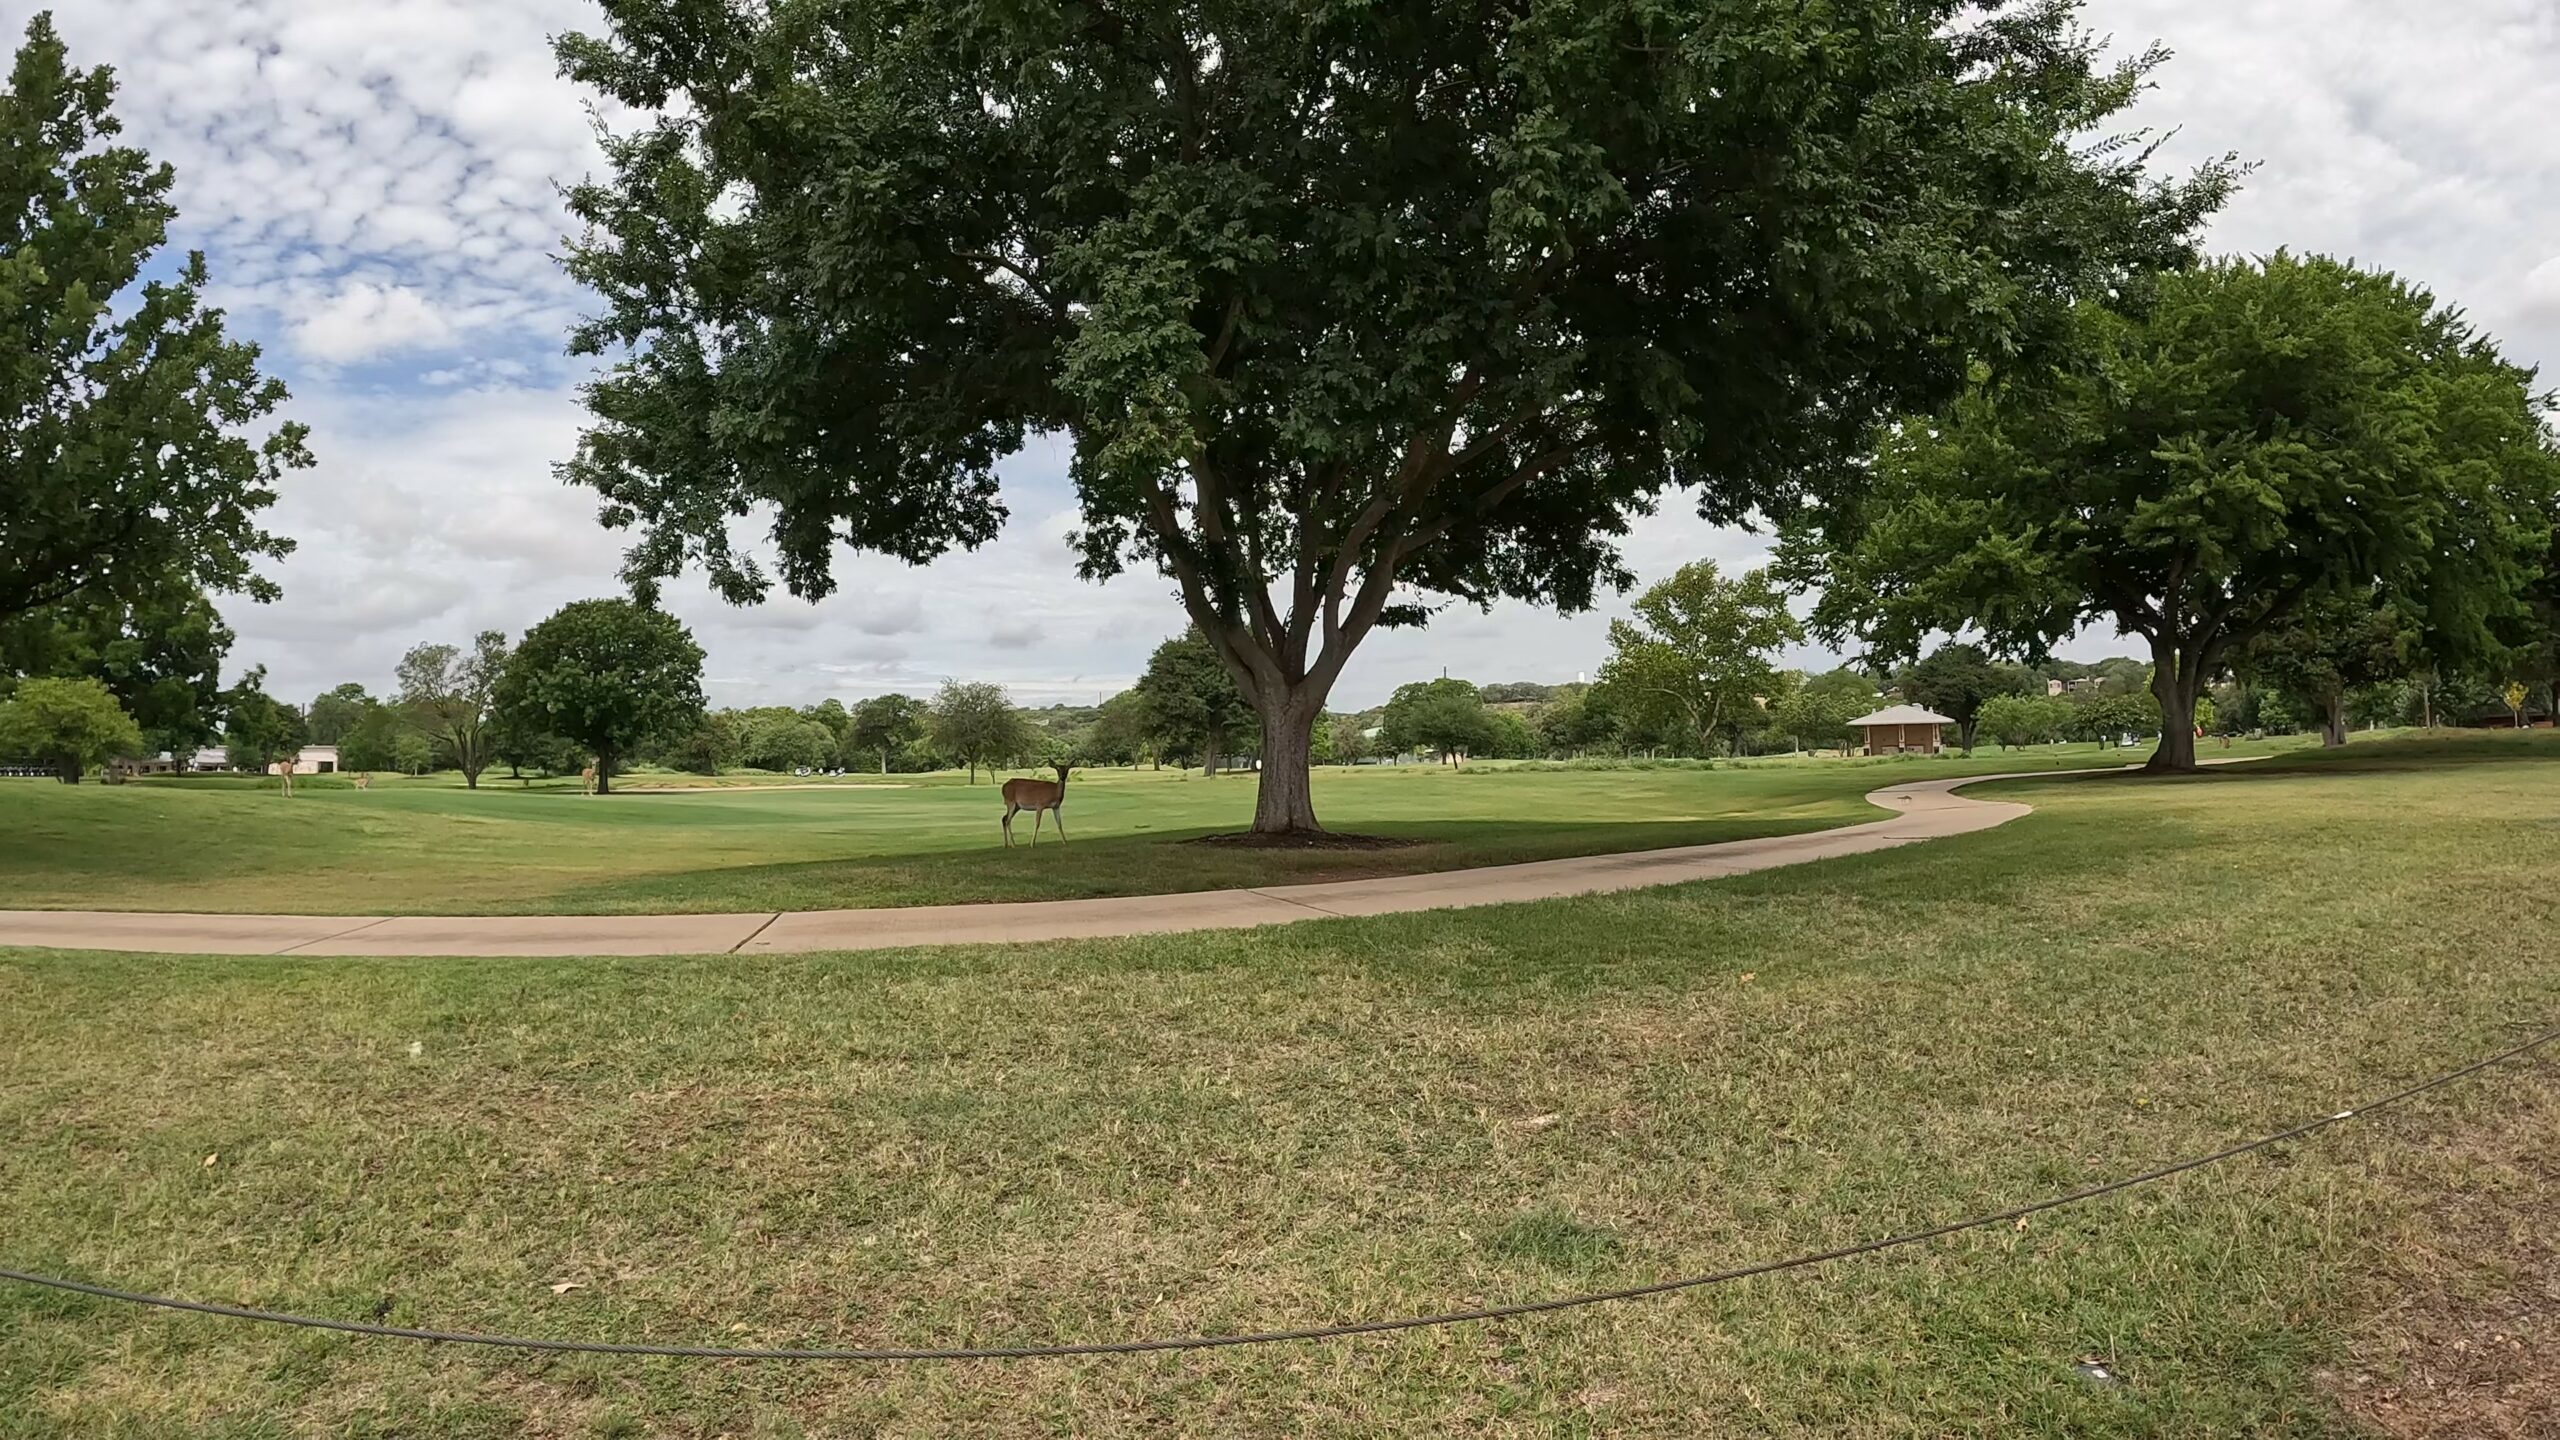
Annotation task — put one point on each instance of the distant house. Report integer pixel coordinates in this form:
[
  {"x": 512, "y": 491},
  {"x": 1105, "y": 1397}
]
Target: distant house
[
  {"x": 1901, "y": 730},
  {"x": 309, "y": 760}
]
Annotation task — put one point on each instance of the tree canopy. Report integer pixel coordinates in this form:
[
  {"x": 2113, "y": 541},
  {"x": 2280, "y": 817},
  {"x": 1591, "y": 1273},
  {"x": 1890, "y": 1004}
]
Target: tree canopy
[
  {"x": 258, "y": 729},
  {"x": 1700, "y": 652},
  {"x": 449, "y": 691},
  {"x": 886, "y": 725},
  {"x": 2330, "y": 649},
  {"x": 1193, "y": 705},
  {"x": 128, "y": 450},
  {"x": 975, "y": 724},
  {"x": 1954, "y": 680},
  {"x": 1446, "y": 717},
  {"x": 605, "y": 675},
  {"x": 159, "y": 649},
  {"x": 2220, "y": 448},
  {"x": 70, "y": 724},
  {"x": 1348, "y": 310}
]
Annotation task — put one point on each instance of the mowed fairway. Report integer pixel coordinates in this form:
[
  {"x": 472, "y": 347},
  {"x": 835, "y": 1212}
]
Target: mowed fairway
[
  {"x": 1351, "y": 1119},
  {"x": 219, "y": 845}
]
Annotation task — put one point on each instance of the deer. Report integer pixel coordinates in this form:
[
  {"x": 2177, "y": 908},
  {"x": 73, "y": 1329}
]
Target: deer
[
  {"x": 284, "y": 769},
  {"x": 587, "y": 781},
  {"x": 1036, "y": 796}
]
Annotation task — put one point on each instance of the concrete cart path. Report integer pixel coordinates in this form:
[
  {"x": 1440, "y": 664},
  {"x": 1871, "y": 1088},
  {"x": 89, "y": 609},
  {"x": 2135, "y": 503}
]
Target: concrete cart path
[{"x": 1927, "y": 810}]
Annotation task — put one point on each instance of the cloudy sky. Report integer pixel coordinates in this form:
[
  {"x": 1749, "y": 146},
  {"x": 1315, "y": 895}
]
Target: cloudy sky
[{"x": 374, "y": 182}]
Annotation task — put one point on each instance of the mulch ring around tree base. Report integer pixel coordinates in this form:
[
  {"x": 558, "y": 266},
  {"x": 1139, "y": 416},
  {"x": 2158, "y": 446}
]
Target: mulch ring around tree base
[{"x": 1304, "y": 840}]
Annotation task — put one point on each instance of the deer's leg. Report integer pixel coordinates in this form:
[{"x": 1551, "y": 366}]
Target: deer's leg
[
  {"x": 1060, "y": 815},
  {"x": 1036, "y": 813},
  {"x": 1008, "y": 827}
]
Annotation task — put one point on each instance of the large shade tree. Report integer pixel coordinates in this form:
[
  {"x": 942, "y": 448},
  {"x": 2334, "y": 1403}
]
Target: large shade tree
[
  {"x": 159, "y": 648},
  {"x": 68, "y": 723},
  {"x": 1700, "y": 653},
  {"x": 975, "y": 723},
  {"x": 450, "y": 692},
  {"x": 130, "y": 452},
  {"x": 885, "y": 725},
  {"x": 1348, "y": 310},
  {"x": 605, "y": 675},
  {"x": 1193, "y": 705},
  {"x": 2229, "y": 446}
]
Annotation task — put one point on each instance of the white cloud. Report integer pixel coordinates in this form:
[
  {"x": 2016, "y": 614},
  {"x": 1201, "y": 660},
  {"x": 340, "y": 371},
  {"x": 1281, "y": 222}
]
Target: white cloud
[
  {"x": 365, "y": 320},
  {"x": 375, "y": 185}
]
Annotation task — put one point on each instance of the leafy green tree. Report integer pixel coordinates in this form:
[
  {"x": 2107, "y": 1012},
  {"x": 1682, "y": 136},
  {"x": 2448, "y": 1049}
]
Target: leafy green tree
[
  {"x": 2227, "y": 446},
  {"x": 1446, "y": 717},
  {"x": 1119, "y": 734},
  {"x": 605, "y": 675},
  {"x": 712, "y": 744},
  {"x": 2015, "y": 720},
  {"x": 976, "y": 725},
  {"x": 412, "y": 753},
  {"x": 159, "y": 649},
  {"x": 258, "y": 729},
  {"x": 1954, "y": 681},
  {"x": 521, "y": 739},
  {"x": 2106, "y": 718},
  {"x": 1512, "y": 737},
  {"x": 1817, "y": 713},
  {"x": 1348, "y": 737},
  {"x": 127, "y": 415},
  {"x": 449, "y": 691},
  {"x": 68, "y": 724},
  {"x": 372, "y": 742},
  {"x": 335, "y": 714},
  {"x": 2330, "y": 649},
  {"x": 887, "y": 725},
  {"x": 1340, "y": 305},
  {"x": 1193, "y": 705},
  {"x": 1699, "y": 650},
  {"x": 1573, "y": 721}
]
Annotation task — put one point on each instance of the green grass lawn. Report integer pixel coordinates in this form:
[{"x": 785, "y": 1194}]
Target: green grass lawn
[
  {"x": 434, "y": 848},
  {"x": 1344, "y": 1119}
]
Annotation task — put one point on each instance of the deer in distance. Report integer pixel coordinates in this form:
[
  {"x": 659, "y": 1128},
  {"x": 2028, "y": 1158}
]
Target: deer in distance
[{"x": 1036, "y": 796}]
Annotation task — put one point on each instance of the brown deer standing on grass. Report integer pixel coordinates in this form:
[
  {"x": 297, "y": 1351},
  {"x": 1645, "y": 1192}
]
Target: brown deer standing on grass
[
  {"x": 284, "y": 769},
  {"x": 1036, "y": 796}
]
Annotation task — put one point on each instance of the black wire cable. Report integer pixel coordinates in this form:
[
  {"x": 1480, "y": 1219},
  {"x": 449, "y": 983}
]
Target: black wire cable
[{"x": 1313, "y": 1332}]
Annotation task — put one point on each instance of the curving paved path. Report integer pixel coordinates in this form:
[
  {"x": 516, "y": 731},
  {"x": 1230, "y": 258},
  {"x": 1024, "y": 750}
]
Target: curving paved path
[{"x": 1928, "y": 810}]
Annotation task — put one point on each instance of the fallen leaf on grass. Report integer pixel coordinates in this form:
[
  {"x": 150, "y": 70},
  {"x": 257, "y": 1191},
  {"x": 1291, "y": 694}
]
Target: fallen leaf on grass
[
  {"x": 565, "y": 1286},
  {"x": 1540, "y": 1122},
  {"x": 209, "y": 1159},
  {"x": 1750, "y": 975}
]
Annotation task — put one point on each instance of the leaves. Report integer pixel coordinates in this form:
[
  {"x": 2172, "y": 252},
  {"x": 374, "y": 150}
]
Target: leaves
[
  {"x": 605, "y": 674},
  {"x": 1347, "y": 311},
  {"x": 128, "y": 453}
]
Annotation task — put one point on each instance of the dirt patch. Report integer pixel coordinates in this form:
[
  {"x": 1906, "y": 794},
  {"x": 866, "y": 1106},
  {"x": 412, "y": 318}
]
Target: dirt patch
[
  {"x": 1314, "y": 840},
  {"x": 2462, "y": 1336}
]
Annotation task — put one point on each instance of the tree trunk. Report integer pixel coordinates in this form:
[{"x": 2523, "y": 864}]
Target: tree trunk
[
  {"x": 67, "y": 771},
  {"x": 884, "y": 759},
  {"x": 1216, "y": 743},
  {"x": 2333, "y": 720},
  {"x": 1284, "y": 796},
  {"x": 604, "y": 774},
  {"x": 2175, "y": 681}
]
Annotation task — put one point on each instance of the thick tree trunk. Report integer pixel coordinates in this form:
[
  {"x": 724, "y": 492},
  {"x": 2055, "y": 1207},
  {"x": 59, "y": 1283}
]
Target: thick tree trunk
[
  {"x": 2175, "y": 682},
  {"x": 1216, "y": 743},
  {"x": 884, "y": 759},
  {"x": 604, "y": 774},
  {"x": 67, "y": 771},
  {"x": 1284, "y": 797},
  {"x": 2333, "y": 722}
]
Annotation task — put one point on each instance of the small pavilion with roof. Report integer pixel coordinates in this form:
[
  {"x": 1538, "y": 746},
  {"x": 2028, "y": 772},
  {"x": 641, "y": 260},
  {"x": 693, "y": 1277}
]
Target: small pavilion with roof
[{"x": 1902, "y": 730}]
